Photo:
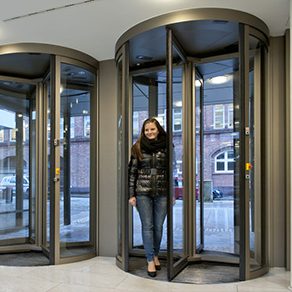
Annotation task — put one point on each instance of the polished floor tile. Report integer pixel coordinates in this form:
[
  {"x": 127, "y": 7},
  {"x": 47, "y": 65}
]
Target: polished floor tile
[{"x": 102, "y": 275}]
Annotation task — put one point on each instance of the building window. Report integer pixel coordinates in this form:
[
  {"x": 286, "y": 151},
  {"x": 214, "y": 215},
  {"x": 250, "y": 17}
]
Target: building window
[
  {"x": 230, "y": 115},
  {"x": 224, "y": 162},
  {"x": 161, "y": 118},
  {"x": 218, "y": 116},
  {"x": 135, "y": 123},
  {"x": 62, "y": 129},
  {"x": 176, "y": 122},
  {"x": 86, "y": 121},
  {"x": 177, "y": 119},
  {"x": 1, "y": 135},
  {"x": 13, "y": 133}
]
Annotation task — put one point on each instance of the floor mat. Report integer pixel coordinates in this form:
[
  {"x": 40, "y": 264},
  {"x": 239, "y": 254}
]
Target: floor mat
[
  {"x": 24, "y": 259},
  {"x": 196, "y": 273}
]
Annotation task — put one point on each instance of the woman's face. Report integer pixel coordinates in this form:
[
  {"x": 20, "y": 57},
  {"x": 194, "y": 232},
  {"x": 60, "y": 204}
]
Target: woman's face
[{"x": 151, "y": 131}]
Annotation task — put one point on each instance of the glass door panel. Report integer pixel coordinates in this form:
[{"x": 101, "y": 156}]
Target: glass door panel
[
  {"x": 75, "y": 200},
  {"x": 256, "y": 196},
  {"x": 46, "y": 205},
  {"x": 175, "y": 98},
  {"x": 219, "y": 136},
  {"x": 32, "y": 171},
  {"x": 145, "y": 90},
  {"x": 177, "y": 171},
  {"x": 119, "y": 163},
  {"x": 199, "y": 235},
  {"x": 123, "y": 159},
  {"x": 149, "y": 100},
  {"x": 15, "y": 160}
]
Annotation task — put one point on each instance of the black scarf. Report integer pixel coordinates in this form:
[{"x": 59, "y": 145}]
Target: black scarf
[{"x": 151, "y": 145}]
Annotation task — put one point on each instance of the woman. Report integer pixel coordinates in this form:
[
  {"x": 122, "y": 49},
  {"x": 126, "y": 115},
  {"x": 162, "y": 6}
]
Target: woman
[{"x": 147, "y": 187}]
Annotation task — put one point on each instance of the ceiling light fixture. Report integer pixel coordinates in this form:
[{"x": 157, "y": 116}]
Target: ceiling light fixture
[
  {"x": 178, "y": 103},
  {"x": 219, "y": 79},
  {"x": 198, "y": 83}
]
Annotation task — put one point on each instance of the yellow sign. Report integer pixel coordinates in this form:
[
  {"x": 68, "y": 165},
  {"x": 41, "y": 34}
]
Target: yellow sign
[
  {"x": 248, "y": 166},
  {"x": 57, "y": 170}
]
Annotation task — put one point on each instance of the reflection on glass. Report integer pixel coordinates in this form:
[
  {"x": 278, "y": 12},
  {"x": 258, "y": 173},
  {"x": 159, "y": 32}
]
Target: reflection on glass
[
  {"x": 77, "y": 85},
  {"x": 15, "y": 116}
]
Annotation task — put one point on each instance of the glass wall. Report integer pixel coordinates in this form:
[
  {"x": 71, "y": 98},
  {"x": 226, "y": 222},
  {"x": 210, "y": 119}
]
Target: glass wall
[
  {"x": 77, "y": 86},
  {"x": 218, "y": 154},
  {"x": 17, "y": 212}
]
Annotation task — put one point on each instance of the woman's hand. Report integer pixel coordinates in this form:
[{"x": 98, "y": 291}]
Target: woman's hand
[{"x": 132, "y": 201}]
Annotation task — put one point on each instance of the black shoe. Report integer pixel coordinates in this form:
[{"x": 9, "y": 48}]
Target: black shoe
[
  {"x": 151, "y": 274},
  {"x": 158, "y": 267}
]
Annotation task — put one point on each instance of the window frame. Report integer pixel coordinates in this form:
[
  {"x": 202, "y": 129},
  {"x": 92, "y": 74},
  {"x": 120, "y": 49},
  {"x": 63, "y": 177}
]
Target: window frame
[
  {"x": 86, "y": 119},
  {"x": 230, "y": 123},
  {"x": 226, "y": 160},
  {"x": 223, "y": 116},
  {"x": 179, "y": 116}
]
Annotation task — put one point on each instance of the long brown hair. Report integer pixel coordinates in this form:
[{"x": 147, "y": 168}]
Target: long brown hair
[{"x": 136, "y": 148}]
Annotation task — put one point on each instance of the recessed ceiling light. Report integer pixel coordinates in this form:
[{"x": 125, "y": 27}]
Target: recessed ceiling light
[{"x": 219, "y": 79}]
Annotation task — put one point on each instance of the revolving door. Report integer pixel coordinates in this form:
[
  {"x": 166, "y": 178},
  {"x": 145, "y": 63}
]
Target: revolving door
[
  {"x": 47, "y": 152},
  {"x": 204, "y": 80}
]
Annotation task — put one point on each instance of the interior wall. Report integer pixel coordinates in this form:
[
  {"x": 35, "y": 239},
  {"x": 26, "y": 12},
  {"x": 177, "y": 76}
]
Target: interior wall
[
  {"x": 107, "y": 159},
  {"x": 276, "y": 158}
]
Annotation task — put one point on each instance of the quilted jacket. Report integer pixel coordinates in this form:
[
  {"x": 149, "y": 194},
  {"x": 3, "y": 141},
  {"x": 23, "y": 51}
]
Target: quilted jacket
[{"x": 148, "y": 177}]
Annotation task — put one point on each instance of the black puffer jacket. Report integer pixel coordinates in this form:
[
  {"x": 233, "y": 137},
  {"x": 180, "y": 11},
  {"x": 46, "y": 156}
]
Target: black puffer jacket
[{"x": 148, "y": 177}]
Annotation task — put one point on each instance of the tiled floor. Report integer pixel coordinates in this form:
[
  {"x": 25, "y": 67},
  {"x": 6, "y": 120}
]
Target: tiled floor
[{"x": 101, "y": 274}]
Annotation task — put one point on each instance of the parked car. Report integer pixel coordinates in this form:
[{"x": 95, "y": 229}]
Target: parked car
[
  {"x": 10, "y": 182},
  {"x": 178, "y": 192},
  {"x": 217, "y": 194}
]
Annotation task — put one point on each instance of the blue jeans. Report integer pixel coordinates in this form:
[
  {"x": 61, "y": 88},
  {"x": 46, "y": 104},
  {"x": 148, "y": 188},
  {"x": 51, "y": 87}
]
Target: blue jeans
[{"x": 152, "y": 211}]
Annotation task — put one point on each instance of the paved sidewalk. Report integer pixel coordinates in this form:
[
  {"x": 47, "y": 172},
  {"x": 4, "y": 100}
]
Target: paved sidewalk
[{"x": 218, "y": 226}]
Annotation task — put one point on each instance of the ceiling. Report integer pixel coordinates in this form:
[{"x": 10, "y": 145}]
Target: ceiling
[{"x": 94, "y": 26}]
